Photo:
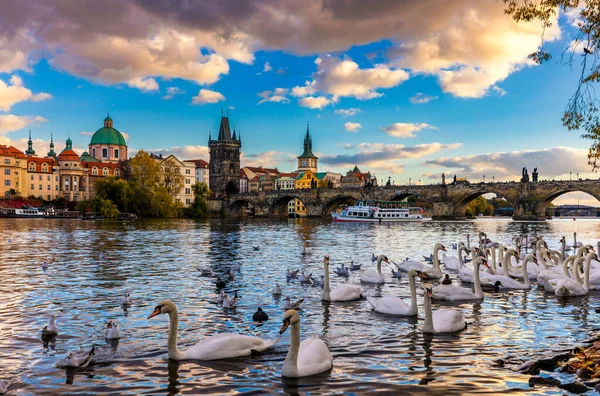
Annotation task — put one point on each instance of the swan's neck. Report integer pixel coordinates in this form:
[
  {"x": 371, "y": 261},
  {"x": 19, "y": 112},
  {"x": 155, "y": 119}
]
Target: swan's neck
[
  {"x": 526, "y": 281},
  {"x": 413, "y": 293},
  {"x": 428, "y": 325},
  {"x": 291, "y": 360},
  {"x": 436, "y": 260},
  {"x": 574, "y": 239},
  {"x": 478, "y": 289},
  {"x": 586, "y": 280},
  {"x": 172, "y": 350},
  {"x": 326, "y": 287},
  {"x": 494, "y": 259},
  {"x": 505, "y": 264},
  {"x": 566, "y": 266},
  {"x": 468, "y": 243},
  {"x": 379, "y": 265},
  {"x": 563, "y": 247},
  {"x": 461, "y": 263}
]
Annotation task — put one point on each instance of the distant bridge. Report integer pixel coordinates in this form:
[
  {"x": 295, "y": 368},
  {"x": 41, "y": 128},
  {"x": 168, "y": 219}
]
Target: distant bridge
[{"x": 528, "y": 199}]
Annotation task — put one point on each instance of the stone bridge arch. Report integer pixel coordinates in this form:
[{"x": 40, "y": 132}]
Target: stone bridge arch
[
  {"x": 462, "y": 201},
  {"x": 332, "y": 204},
  {"x": 241, "y": 208},
  {"x": 542, "y": 203},
  {"x": 278, "y": 207}
]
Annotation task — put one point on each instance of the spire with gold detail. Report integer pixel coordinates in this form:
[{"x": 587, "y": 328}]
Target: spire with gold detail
[
  {"x": 30, "y": 150},
  {"x": 51, "y": 153}
]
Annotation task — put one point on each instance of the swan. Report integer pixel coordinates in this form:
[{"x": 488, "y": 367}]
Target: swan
[
  {"x": 305, "y": 358},
  {"x": 454, "y": 263},
  {"x": 296, "y": 305},
  {"x": 432, "y": 273},
  {"x": 50, "y": 330},
  {"x": 112, "y": 331},
  {"x": 340, "y": 293},
  {"x": 79, "y": 358},
  {"x": 545, "y": 276},
  {"x": 569, "y": 287},
  {"x": 126, "y": 300},
  {"x": 396, "y": 306},
  {"x": 467, "y": 274},
  {"x": 260, "y": 315},
  {"x": 508, "y": 282},
  {"x": 442, "y": 320},
  {"x": 456, "y": 293},
  {"x": 218, "y": 346},
  {"x": 230, "y": 302},
  {"x": 372, "y": 276},
  {"x": 276, "y": 290},
  {"x": 575, "y": 243}
]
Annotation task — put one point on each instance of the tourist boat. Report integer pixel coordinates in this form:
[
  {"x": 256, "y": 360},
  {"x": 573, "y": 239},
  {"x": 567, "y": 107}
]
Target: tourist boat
[
  {"x": 21, "y": 213},
  {"x": 378, "y": 211}
]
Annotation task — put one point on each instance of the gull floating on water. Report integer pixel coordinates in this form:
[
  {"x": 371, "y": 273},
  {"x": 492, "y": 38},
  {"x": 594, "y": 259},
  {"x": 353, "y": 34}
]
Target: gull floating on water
[
  {"x": 112, "y": 331},
  {"x": 126, "y": 300},
  {"x": 80, "y": 358}
]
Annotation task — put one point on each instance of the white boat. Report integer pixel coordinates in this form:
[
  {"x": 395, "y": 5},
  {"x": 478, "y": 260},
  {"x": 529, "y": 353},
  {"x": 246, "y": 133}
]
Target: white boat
[
  {"x": 24, "y": 212},
  {"x": 378, "y": 211}
]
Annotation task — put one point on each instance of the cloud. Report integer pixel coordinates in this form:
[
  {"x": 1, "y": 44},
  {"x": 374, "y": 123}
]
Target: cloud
[
  {"x": 182, "y": 153},
  {"x": 352, "y": 126},
  {"x": 207, "y": 96},
  {"x": 268, "y": 159},
  {"x": 172, "y": 91},
  {"x": 10, "y": 122},
  {"x": 306, "y": 90},
  {"x": 314, "y": 102},
  {"x": 405, "y": 130},
  {"x": 14, "y": 92},
  {"x": 86, "y": 133},
  {"x": 143, "y": 84},
  {"x": 552, "y": 163},
  {"x": 277, "y": 96},
  {"x": 347, "y": 112},
  {"x": 267, "y": 68},
  {"x": 421, "y": 98}
]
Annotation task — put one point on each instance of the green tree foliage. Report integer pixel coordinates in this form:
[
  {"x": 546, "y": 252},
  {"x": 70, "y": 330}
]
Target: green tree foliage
[
  {"x": 581, "y": 112},
  {"x": 199, "y": 209},
  {"x": 144, "y": 170},
  {"x": 117, "y": 190},
  {"x": 479, "y": 206},
  {"x": 105, "y": 207}
]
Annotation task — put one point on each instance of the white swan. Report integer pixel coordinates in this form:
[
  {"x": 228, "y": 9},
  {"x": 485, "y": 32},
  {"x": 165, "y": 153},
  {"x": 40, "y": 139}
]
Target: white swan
[
  {"x": 545, "y": 276},
  {"x": 569, "y": 287},
  {"x": 456, "y": 293},
  {"x": 112, "y": 331},
  {"x": 508, "y": 282},
  {"x": 218, "y": 346},
  {"x": 305, "y": 358},
  {"x": 50, "y": 330},
  {"x": 396, "y": 306},
  {"x": 432, "y": 273},
  {"x": 80, "y": 358},
  {"x": 442, "y": 320},
  {"x": 454, "y": 263},
  {"x": 340, "y": 293},
  {"x": 467, "y": 274},
  {"x": 372, "y": 276}
]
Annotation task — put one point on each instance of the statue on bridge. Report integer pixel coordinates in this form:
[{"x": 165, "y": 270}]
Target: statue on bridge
[
  {"x": 534, "y": 175},
  {"x": 443, "y": 179},
  {"x": 524, "y": 176},
  {"x": 454, "y": 179}
]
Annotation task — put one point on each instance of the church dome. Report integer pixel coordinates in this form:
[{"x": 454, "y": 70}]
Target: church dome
[{"x": 108, "y": 135}]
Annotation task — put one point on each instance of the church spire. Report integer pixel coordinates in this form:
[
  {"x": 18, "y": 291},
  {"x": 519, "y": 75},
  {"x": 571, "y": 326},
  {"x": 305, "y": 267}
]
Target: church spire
[
  {"x": 51, "y": 153},
  {"x": 307, "y": 145},
  {"x": 30, "y": 150}
]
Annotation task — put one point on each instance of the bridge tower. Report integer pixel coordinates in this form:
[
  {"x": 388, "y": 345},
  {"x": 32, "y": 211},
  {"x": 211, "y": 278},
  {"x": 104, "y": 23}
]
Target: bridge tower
[{"x": 224, "y": 166}]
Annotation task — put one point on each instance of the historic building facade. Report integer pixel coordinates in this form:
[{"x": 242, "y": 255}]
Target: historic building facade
[
  {"x": 108, "y": 144},
  {"x": 224, "y": 163},
  {"x": 307, "y": 161}
]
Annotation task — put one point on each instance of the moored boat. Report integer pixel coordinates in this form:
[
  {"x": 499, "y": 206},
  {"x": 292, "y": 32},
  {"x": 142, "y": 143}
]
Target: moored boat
[
  {"x": 378, "y": 211},
  {"x": 28, "y": 212}
]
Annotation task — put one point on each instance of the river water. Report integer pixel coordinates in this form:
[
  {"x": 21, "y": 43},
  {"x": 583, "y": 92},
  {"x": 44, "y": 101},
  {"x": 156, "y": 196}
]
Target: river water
[{"x": 158, "y": 259}]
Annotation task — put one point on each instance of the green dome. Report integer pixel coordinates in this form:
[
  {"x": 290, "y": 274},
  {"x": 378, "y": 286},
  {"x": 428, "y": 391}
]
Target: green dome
[
  {"x": 85, "y": 157},
  {"x": 108, "y": 135}
]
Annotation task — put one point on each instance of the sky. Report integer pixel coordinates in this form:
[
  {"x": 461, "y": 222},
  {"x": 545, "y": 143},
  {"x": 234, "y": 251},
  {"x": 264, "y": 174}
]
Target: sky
[{"x": 407, "y": 89}]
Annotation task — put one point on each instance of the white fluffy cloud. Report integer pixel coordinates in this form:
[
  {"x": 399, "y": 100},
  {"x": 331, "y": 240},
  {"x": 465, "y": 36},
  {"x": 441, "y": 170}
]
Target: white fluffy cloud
[
  {"x": 207, "y": 96},
  {"x": 405, "y": 130},
  {"x": 10, "y": 122},
  {"x": 182, "y": 152},
  {"x": 267, "y": 68},
  {"x": 14, "y": 92},
  {"x": 314, "y": 102},
  {"x": 278, "y": 96},
  {"x": 421, "y": 98},
  {"x": 143, "y": 84},
  {"x": 352, "y": 126},
  {"x": 172, "y": 91},
  {"x": 347, "y": 112},
  {"x": 269, "y": 159}
]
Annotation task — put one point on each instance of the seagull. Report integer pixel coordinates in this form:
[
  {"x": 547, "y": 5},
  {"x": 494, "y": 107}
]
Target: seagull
[
  {"x": 305, "y": 278},
  {"x": 295, "y": 305},
  {"x": 126, "y": 300},
  {"x": 44, "y": 266},
  {"x": 101, "y": 256},
  {"x": 221, "y": 297},
  {"x": 354, "y": 267},
  {"x": 260, "y": 315},
  {"x": 396, "y": 274},
  {"x": 319, "y": 282},
  {"x": 230, "y": 302},
  {"x": 50, "y": 330},
  {"x": 79, "y": 358},
  {"x": 206, "y": 272},
  {"x": 112, "y": 331},
  {"x": 292, "y": 274},
  {"x": 373, "y": 258},
  {"x": 342, "y": 271},
  {"x": 276, "y": 290}
]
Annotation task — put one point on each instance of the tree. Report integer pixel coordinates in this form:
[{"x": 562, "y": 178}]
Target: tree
[
  {"x": 199, "y": 209},
  {"x": 144, "y": 170},
  {"x": 105, "y": 207},
  {"x": 582, "y": 108},
  {"x": 479, "y": 206},
  {"x": 116, "y": 190},
  {"x": 171, "y": 177}
]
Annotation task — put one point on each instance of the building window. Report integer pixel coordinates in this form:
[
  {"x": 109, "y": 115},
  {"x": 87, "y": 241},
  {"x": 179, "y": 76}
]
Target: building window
[
  {"x": 57, "y": 179},
  {"x": 41, "y": 188},
  {"x": 188, "y": 191},
  {"x": 44, "y": 168},
  {"x": 75, "y": 178},
  {"x": 48, "y": 178},
  {"x": 94, "y": 153},
  {"x": 187, "y": 181},
  {"x": 32, "y": 177},
  {"x": 40, "y": 177},
  {"x": 105, "y": 171},
  {"x": 48, "y": 188},
  {"x": 7, "y": 172},
  {"x": 49, "y": 197},
  {"x": 94, "y": 171},
  {"x": 187, "y": 201},
  {"x": 6, "y": 161},
  {"x": 116, "y": 153},
  {"x": 116, "y": 172},
  {"x": 32, "y": 186},
  {"x": 7, "y": 183},
  {"x": 32, "y": 166},
  {"x": 187, "y": 171},
  {"x": 104, "y": 153}
]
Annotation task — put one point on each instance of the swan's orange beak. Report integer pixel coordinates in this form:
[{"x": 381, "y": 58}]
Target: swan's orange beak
[
  {"x": 284, "y": 326},
  {"x": 485, "y": 263},
  {"x": 154, "y": 313},
  {"x": 429, "y": 292}
]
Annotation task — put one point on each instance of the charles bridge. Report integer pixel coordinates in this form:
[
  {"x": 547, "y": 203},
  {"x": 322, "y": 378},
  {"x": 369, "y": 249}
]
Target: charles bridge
[{"x": 449, "y": 201}]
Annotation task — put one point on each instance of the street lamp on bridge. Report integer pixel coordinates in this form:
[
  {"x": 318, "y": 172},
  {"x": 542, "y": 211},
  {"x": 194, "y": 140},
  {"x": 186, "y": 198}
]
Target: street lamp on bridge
[
  {"x": 570, "y": 174},
  {"x": 409, "y": 181},
  {"x": 484, "y": 178}
]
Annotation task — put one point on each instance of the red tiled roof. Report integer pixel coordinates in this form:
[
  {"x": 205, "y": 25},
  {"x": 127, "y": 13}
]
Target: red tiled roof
[
  {"x": 200, "y": 163},
  {"x": 242, "y": 175},
  {"x": 291, "y": 174},
  {"x": 68, "y": 155},
  {"x": 38, "y": 164},
  {"x": 260, "y": 169},
  {"x": 11, "y": 151}
]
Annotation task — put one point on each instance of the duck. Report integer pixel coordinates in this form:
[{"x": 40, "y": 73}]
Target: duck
[
  {"x": 112, "y": 331},
  {"x": 218, "y": 346},
  {"x": 392, "y": 305},
  {"x": 433, "y": 273},
  {"x": 220, "y": 283},
  {"x": 50, "y": 330},
  {"x": 305, "y": 278},
  {"x": 342, "y": 271},
  {"x": 447, "y": 280},
  {"x": 260, "y": 315},
  {"x": 340, "y": 293},
  {"x": 354, "y": 267},
  {"x": 446, "y": 292},
  {"x": 372, "y": 276},
  {"x": 276, "y": 290},
  {"x": 221, "y": 297},
  {"x": 256, "y": 248},
  {"x": 296, "y": 305},
  {"x": 80, "y": 358},
  {"x": 126, "y": 300},
  {"x": 306, "y": 358},
  {"x": 396, "y": 274},
  {"x": 306, "y": 248},
  {"x": 489, "y": 287},
  {"x": 44, "y": 266},
  {"x": 292, "y": 273},
  {"x": 206, "y": 272},
  {"x": 230, "y": 302},
  {"x": 442, "y": 320}
]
